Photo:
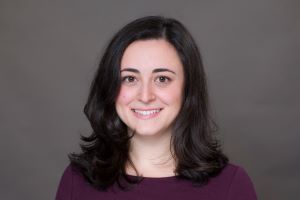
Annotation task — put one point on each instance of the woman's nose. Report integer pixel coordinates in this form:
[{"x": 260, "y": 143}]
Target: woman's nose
[{"x": 146, "y": 93}]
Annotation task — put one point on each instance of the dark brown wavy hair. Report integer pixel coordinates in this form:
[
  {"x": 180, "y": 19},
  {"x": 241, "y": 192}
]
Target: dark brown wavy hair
[{"x": 106, "y": 151}]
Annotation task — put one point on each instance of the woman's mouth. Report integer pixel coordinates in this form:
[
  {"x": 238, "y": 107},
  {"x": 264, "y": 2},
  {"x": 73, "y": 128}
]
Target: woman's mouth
[{"x": 146, "y": 114}]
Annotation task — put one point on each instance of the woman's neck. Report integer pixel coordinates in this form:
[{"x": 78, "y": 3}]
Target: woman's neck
[{"x": 151, "y": 156}]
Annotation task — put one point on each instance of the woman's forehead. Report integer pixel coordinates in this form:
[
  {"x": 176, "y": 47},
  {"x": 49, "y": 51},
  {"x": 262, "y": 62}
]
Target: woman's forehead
[{"x": 146, "y": 55}]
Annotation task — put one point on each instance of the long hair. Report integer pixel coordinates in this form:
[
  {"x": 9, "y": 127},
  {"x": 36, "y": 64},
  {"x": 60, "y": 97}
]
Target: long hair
[{"x": 106, "y": 151}]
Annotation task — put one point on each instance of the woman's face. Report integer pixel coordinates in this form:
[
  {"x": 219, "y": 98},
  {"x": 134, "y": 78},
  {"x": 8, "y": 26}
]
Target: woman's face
[{"x": 152, "y": 87}]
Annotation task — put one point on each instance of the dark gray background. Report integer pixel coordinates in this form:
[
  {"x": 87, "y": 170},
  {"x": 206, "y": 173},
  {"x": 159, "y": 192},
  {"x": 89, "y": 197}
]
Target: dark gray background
[{"x": 49, "y": 51}]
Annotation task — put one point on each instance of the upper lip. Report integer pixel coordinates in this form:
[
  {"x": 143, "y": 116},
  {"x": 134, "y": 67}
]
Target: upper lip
[{"x": 146, "y": 109}]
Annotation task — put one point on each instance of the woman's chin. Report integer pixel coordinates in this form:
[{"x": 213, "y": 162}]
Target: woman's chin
[{"x": 148, "y": 132}]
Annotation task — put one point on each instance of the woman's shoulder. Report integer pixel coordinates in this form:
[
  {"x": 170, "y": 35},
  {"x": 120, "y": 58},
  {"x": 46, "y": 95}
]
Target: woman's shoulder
[
  {"x": 230, "y": 173},
  {"x": 234, "y": 182},
  {"x": 230, "y": 170},
  {"x": 70, "y": 180},
  {"x": 70, "y": 172}
]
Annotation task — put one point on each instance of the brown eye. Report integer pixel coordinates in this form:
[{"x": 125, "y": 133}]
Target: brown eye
[
  {"x": 163, "y": 79},
  {"x": 129, "y": 79}
]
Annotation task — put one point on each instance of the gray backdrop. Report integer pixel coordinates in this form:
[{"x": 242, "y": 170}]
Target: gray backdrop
[{"x": 49, "y": 51}]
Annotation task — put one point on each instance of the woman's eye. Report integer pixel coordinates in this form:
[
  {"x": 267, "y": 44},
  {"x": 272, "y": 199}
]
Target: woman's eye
[
  {"x": 128, "y": 79},
  {"x": 163, "y": 79}
]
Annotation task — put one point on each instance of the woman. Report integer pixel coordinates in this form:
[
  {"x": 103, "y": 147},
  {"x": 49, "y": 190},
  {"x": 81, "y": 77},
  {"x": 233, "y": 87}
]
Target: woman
[{"x": 152, "y": 136}]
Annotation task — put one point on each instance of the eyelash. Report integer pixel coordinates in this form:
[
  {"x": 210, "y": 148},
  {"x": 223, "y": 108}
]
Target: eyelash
[
  {"x": 165, "y": 77},
  {"x": 125, "y": 79}
]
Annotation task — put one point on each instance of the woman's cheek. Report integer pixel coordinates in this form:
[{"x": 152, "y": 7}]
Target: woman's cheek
[
  {"x": 171, "y": 96},
  {"x": 126, "y": 95}
]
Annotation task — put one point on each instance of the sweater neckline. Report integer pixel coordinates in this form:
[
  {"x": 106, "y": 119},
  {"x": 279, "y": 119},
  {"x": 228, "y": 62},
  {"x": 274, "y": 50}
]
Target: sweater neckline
[{"x": 155, "y": 178}]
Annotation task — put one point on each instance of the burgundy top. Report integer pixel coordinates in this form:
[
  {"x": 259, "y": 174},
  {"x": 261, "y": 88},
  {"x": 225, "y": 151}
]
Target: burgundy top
[{"x": 232, "y": 183}]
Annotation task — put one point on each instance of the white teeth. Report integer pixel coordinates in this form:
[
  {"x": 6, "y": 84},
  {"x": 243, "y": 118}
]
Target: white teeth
[{"x": 148, "y": 112}]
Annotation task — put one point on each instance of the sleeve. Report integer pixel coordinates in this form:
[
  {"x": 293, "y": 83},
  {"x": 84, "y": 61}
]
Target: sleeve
[
  {"x": 241, "y": 187},
  {"x": 64, "y": 191}
]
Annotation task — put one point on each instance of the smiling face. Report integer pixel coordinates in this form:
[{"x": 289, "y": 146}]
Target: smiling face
[{"x": 152, "y": 87}]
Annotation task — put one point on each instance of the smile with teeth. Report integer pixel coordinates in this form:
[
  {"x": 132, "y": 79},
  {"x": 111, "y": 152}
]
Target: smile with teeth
[{"x": 146, "y": 113}]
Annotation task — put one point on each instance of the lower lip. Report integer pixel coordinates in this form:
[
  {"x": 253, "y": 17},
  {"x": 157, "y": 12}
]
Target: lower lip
[{"x": 140, "y": 116}]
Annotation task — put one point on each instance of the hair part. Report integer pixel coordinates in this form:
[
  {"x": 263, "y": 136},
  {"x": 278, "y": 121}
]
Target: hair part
[{"x": 106, "y": 151}]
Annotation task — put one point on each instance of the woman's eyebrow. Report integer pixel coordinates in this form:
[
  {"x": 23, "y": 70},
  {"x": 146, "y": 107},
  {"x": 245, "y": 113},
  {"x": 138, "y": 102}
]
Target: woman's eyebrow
[
  {"x": 154, "y": 71},
  {"x": 162, "y": 70},
  {"x": 130, "y": 70}
]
